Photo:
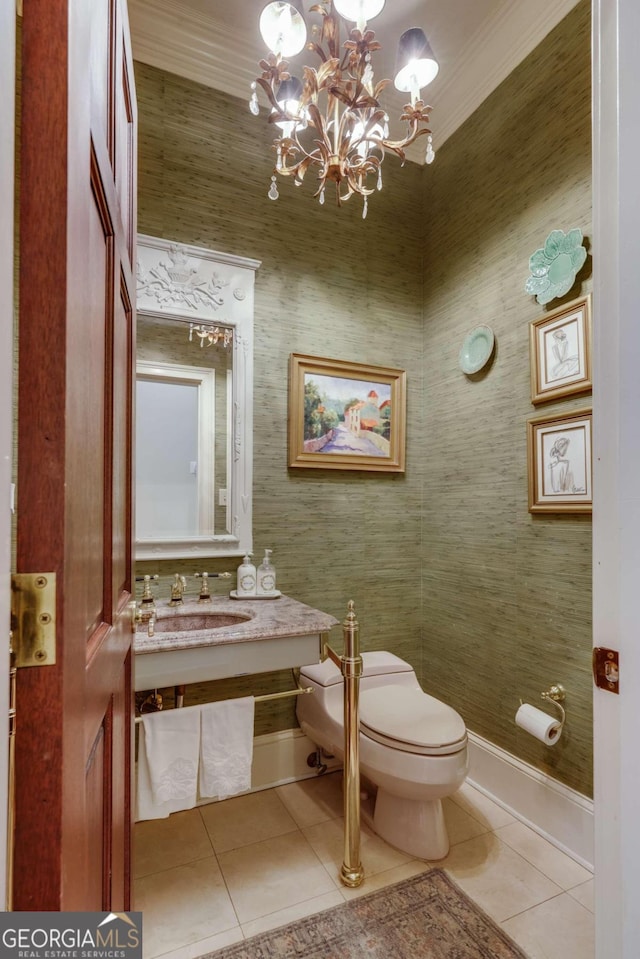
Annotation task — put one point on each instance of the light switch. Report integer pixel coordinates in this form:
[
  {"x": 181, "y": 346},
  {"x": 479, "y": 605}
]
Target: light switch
[{"x": 222, "y": 497}]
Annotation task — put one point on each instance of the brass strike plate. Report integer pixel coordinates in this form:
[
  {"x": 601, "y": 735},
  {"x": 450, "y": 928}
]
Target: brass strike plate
[
  {"x": 33, "y": 618},
  {"x": 606, "y": 669}
]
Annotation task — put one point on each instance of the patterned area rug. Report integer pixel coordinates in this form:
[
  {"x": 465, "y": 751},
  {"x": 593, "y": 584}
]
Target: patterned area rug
[{"x": 426, "y": 917}]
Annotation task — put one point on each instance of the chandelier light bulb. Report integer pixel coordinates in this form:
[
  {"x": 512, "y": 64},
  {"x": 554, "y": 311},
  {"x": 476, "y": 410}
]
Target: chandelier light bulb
[
  {"x": 359, "y": 11},
  {"x": 283, "y": 28},
  {"x": 364, "y": 144},
  {"x": 288, "y": 97},
  {"x": 416, "y": 65}
]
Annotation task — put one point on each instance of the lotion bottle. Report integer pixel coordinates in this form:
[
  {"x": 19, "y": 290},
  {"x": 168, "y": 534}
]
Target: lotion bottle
[
  {"x": 246, "y": 577},
  {"x": 266, "y": 575}
]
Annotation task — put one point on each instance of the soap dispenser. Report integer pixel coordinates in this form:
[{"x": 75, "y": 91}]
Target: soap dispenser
[
  {"x": 246, "y": 577},
  {"x": 266, "y": 575}
]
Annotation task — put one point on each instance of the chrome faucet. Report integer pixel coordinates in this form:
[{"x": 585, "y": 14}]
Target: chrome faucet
[
  {"x": 178, "y": 587},
  {"x": 205, "y": 595}
]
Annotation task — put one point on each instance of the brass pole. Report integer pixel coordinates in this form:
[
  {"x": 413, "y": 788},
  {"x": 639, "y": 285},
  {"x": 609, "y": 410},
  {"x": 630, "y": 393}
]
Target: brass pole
[
  {"x": 11, "y": 811},
  {"x": 352, "y": 872}
]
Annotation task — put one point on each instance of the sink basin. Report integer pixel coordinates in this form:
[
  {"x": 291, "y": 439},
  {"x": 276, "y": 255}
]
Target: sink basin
[
  {"x": 197, "y": 621},
  {"x": 190, "y": 644}
]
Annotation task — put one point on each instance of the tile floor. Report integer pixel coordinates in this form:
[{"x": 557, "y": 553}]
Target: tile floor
[{"x": 211, "y": 876}]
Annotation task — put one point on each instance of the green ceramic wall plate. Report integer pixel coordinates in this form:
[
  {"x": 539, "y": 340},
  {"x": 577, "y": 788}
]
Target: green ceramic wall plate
[
  {"x": 554, "y": 267},
  {"x": 476, "y": 349}
]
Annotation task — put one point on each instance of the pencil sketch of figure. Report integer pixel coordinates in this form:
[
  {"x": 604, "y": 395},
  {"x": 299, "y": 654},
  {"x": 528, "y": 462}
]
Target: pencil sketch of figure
[
  {"x": 565, "y": 365},
  {"x": 560, "y": 472}
]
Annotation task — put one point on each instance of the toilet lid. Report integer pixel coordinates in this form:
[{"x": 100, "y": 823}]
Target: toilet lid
[{"x": 410, "y": 719}]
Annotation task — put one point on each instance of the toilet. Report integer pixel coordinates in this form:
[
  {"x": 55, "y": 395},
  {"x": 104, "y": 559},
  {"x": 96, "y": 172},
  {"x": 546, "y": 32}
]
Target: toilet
[{"x": 413, "y": 748}]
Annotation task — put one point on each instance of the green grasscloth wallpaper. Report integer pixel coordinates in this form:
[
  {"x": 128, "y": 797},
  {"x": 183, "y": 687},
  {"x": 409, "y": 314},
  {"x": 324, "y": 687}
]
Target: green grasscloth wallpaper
[
  {"x": 331, "y": 284},
  {"x": 506, "y": 595},
  {"x": 445, "y": 564}
]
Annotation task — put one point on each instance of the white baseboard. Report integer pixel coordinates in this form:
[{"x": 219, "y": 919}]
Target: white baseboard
[
  {"x": 560, "y": 814},
  {"x": 280, "y": 758}
]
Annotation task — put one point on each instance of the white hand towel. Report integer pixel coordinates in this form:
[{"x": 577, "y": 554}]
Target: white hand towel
[
  {"x": 168, "y": 750},
  {"x": 226, "y": 747}
]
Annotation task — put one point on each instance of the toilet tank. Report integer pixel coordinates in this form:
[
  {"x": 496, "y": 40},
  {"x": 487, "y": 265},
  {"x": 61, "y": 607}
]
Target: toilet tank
[
  {"x": 380, "y": 668},
  {"x": 321, "y": 714}
]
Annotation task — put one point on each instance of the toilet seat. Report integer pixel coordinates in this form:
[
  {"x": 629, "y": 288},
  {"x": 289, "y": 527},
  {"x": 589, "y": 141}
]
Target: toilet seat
[{"x": 410, "y": 720}]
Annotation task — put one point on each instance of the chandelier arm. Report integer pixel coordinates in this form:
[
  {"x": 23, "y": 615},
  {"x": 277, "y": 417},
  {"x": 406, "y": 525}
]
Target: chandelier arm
[
  {"x": 269, "y": 90},
  {"x": 325, "y": 71},
  {"x": 309, "y": 86},
  {"x": 344, "y": 138},
  {"x": 319, "y": 156},
  {"x": 318, "y": 50},
  {"x": 367, "y": 102},
  {"x": 369, "y": 165},
  {"x": 319, "y": 124},
  {"x": 302, "y": 166},
  {"x": 339, "y": 94},
  {"x": 379, "y": 87},
  {"x": 305, "y": 162},
  {"x": 396, "y": 145},
  {"x": 357, "y": 186},
  {"x": 376, "y": 119},
  {"x": 331, "y": 31}
]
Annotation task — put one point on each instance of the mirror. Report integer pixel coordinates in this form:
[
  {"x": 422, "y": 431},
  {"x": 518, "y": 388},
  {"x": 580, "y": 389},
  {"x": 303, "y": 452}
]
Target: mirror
[{"x": 194, "y": 378}]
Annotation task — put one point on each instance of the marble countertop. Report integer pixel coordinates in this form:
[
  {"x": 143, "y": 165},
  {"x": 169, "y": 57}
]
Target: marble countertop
[{"x": 268, "y": 619}]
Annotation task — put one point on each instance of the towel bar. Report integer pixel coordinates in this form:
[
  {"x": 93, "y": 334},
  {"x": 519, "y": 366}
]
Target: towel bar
[{"x": 261, "y": 699}]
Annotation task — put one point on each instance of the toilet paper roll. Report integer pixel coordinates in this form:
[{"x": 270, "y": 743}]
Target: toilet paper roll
[{"x": 540, "y": 724}]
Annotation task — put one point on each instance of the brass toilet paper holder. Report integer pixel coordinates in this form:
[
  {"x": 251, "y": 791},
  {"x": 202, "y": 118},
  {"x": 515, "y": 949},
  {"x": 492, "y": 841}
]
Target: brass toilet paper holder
[{"x": 556, "y": 696}]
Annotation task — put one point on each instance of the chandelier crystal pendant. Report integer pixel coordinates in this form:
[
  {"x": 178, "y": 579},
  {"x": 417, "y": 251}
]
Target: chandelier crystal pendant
[{"x": 332, "y": 121}]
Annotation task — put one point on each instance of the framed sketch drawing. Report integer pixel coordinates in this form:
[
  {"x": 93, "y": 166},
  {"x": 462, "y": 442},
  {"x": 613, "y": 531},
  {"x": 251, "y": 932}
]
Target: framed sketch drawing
[
  {"x": 346, "y": 416},
  {"x": 560, "y": 352},
  {"x": 559, "y": 450}
]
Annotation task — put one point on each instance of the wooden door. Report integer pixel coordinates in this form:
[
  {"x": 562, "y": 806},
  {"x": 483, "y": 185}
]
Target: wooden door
[{"x": 73, "y": 784}]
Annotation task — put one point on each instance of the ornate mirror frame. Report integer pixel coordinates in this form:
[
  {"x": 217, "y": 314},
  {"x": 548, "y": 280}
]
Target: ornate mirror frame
[{"x": 175, "y": 280}]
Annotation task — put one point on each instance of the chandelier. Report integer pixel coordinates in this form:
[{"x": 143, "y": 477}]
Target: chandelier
[
  {"x": 331, "y": 121},
  {"x": 210, "y": 335}
]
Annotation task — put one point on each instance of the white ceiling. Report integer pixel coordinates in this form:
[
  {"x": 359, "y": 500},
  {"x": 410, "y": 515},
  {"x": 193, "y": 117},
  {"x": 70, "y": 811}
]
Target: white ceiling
[{"x": 476, "y": 42}]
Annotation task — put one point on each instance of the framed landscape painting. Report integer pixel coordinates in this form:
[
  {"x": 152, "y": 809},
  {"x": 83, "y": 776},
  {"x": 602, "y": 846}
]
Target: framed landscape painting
[
  {"x": 560, "y": 352},
  {"x": 346, "y": 416}
]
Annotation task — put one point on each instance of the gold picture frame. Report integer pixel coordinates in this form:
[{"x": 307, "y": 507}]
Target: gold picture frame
[
  {"x": 560, "y": 352},
  {"x": 559, "y": 460},
  {"x": 347, "y": 416}
]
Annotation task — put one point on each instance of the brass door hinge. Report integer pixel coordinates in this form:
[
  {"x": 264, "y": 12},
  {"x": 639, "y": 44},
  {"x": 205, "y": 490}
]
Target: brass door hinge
[
  {"x": 606, "y": 669},
  {"x": 33, "y": 619}
]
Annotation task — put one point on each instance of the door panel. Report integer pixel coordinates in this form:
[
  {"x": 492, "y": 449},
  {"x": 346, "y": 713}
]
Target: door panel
[
  {"x": 124, "y": 334},
  {"x": 98, "y": 815},
  {"x": 125, "y": 147},
  {"x": 75, "y": 718}
]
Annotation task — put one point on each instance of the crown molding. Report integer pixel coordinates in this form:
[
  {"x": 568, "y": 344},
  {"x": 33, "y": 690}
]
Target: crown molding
[
  {"x": 172, "y": 37},
  {"x": 504, "y": 41}
]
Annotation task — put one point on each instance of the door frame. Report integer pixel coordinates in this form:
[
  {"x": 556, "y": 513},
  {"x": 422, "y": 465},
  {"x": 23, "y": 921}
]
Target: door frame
[
  {"x": 616, "y": 719},
  {"x": 7, "y": 182},
  {"x": 616, "y": 520}
]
